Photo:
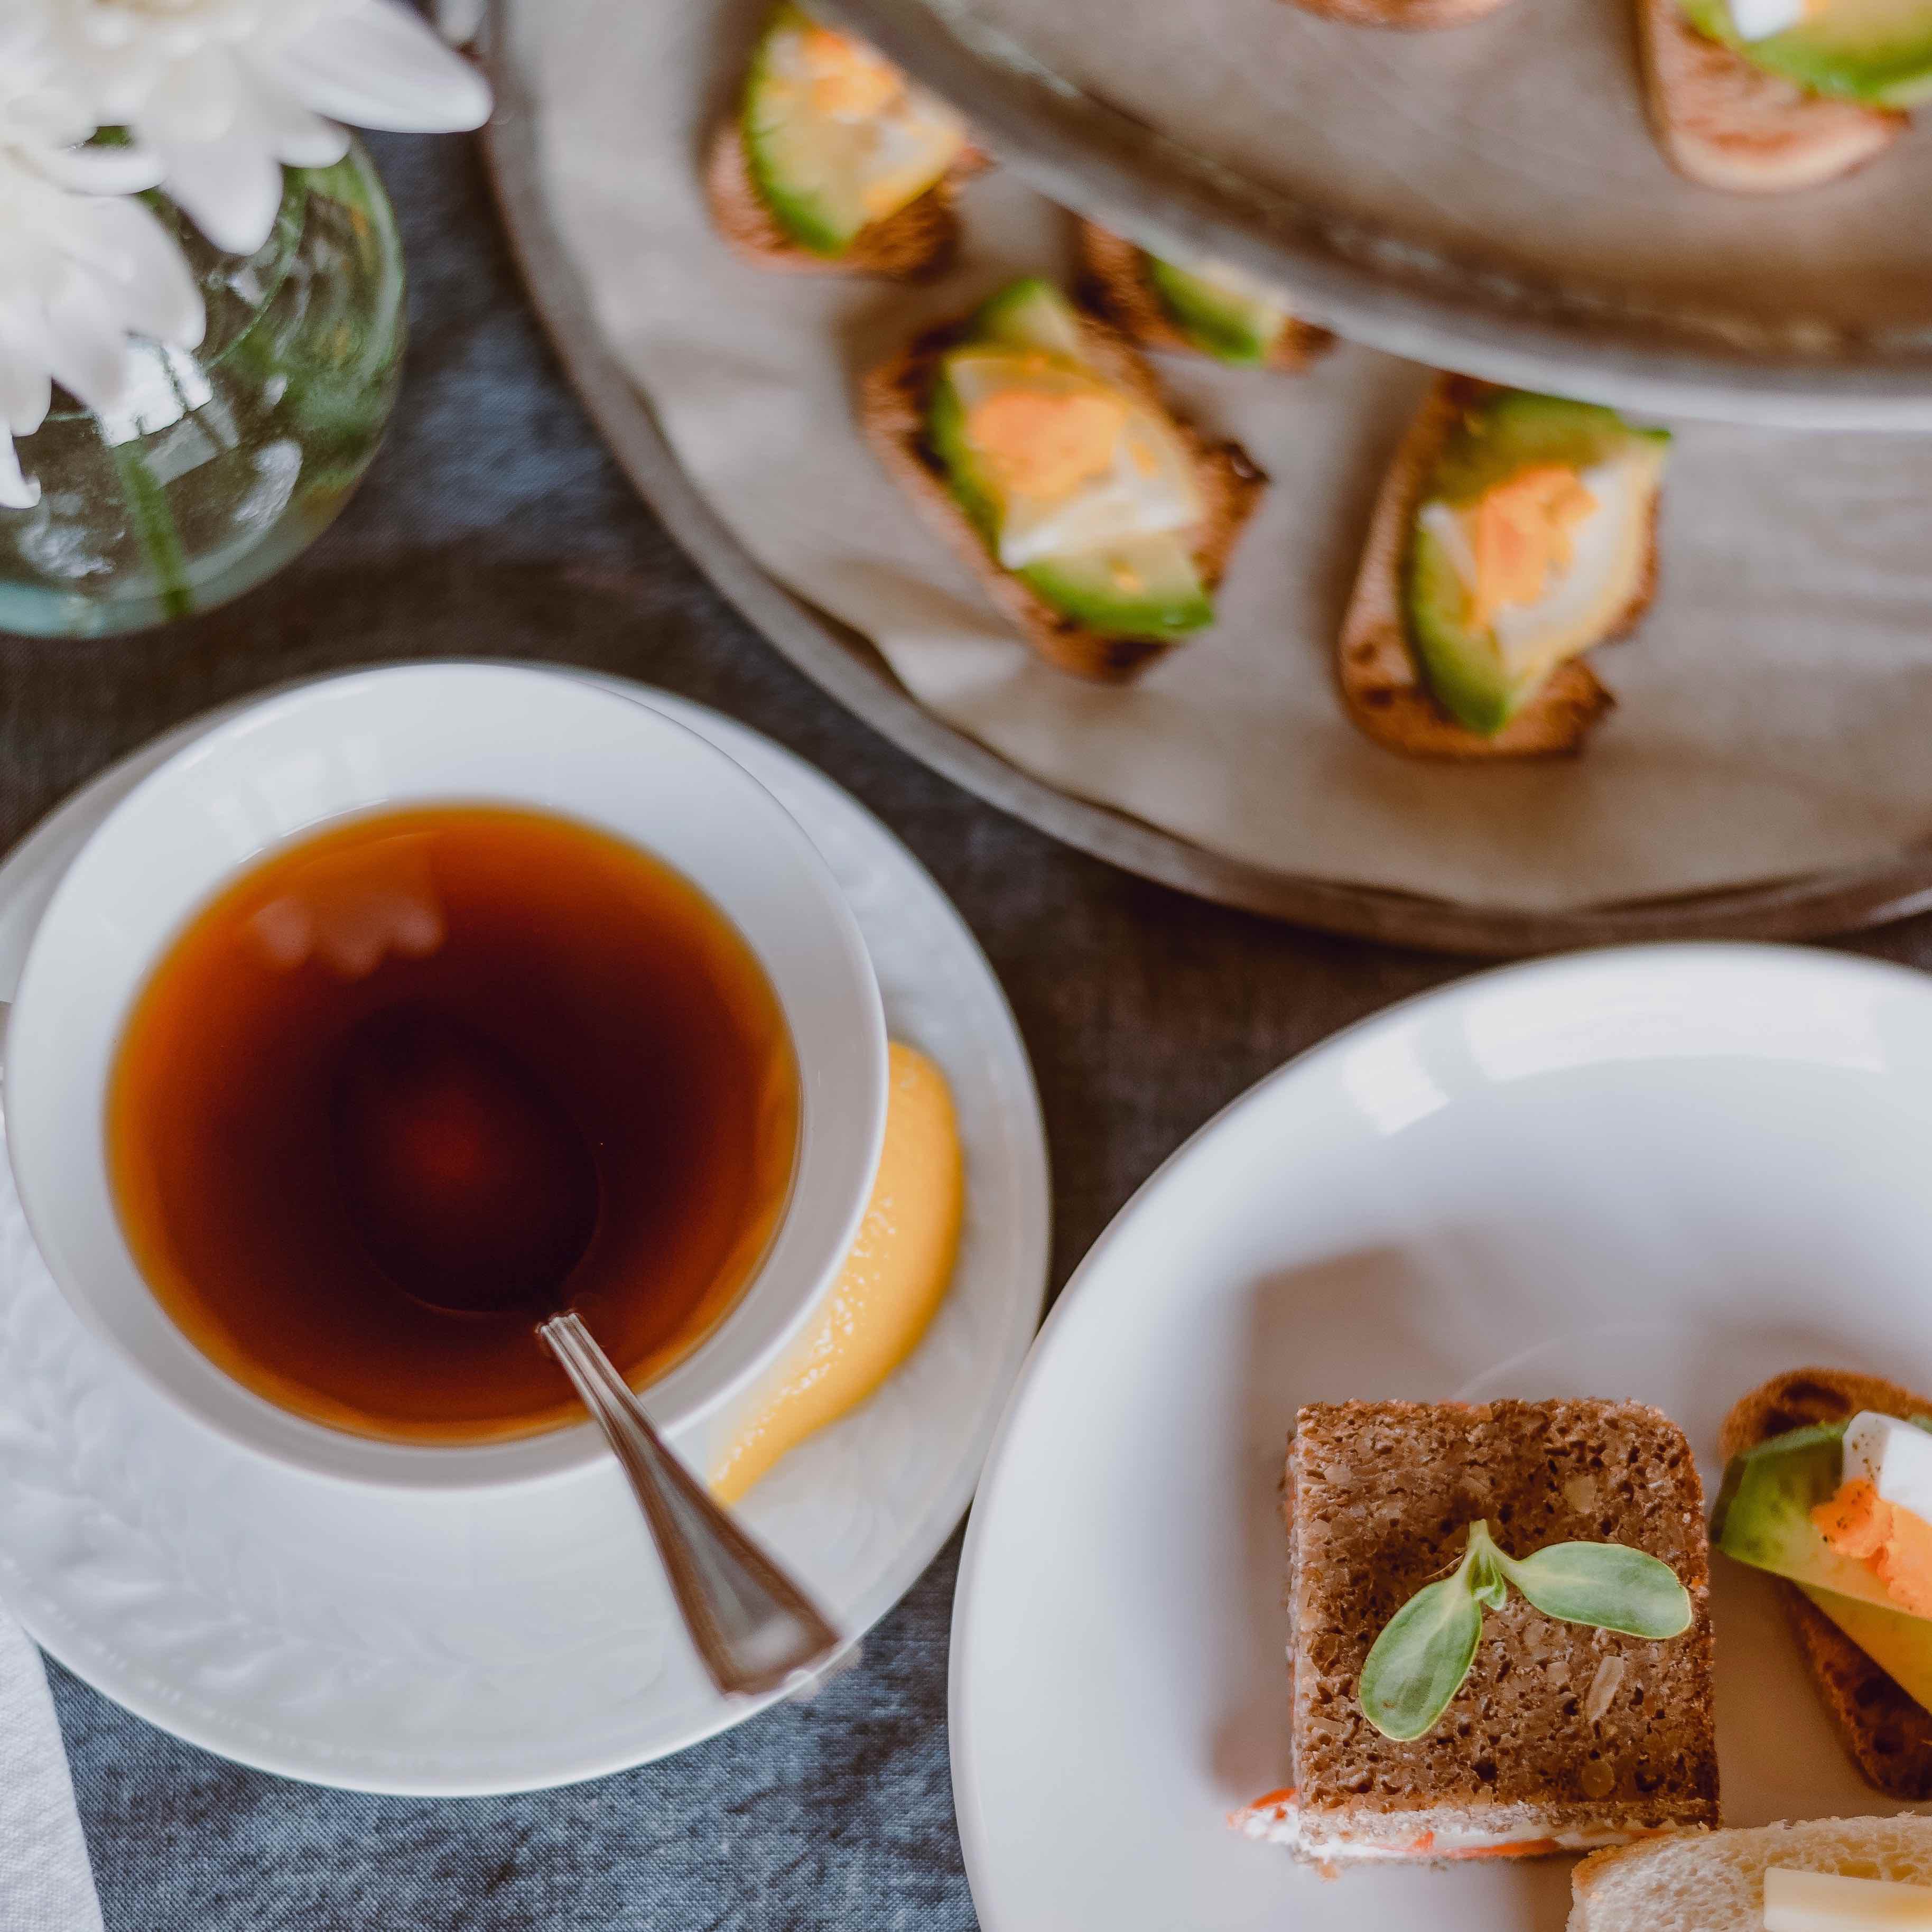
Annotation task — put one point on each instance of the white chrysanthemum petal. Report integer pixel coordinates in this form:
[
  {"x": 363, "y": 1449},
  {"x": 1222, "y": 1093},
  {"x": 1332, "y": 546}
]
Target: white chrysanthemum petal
[
  {"x": 159, "y": 297},
  {"x": 129, "y": 170},
  {"x": 26, "y": 390},
  {"x": 300, "y": 138},
  {"x": 374, "y": 63},
  {"x": 17, "y": 492},
  {"x": 231, "y": 187},
  {"x": 197, "y": 100},
  {"x": 87, "y": 346}
]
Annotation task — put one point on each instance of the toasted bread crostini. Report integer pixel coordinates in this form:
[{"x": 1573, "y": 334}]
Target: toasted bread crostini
[
  {"x": 1121, "y": 280},
  {"x": 1726, "y": 123},
  {"x": 1386, "y": 683},
  {"x": 1887, "y": 1733},
  {"x": 897, "y": 411},
  {"x": 832, "y": 163}
]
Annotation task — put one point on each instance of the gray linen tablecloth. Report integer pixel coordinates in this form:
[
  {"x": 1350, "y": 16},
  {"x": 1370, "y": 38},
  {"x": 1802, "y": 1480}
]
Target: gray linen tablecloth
[{"x": 493, "y": 522}]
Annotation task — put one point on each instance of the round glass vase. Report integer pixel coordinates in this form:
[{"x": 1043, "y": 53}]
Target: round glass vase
[{"x": 225, "y": 461}]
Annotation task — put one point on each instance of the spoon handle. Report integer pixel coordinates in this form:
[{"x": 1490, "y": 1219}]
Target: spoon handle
[{"x": 753, "y": 1627}]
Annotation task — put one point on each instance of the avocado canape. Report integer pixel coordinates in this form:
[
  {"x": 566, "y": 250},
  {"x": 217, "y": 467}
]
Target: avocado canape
[
  {"x": 1034, "y": 438},
  {"x": 1514, "y": 532},
  {"x": 1212, "y": 310},
  {"x": 835, "y": 160}
]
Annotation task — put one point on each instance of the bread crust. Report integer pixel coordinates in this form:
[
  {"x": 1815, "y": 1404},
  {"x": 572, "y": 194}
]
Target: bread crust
[
  {"x": 891, "y": 412},
  {"x": 1887, "y": 1735},
  {"x": 1407, "y": 16},
  {"x": 1114, "y": 280},
  {"x": 913, "y": 245},
  {"x": 1381, "y": 682},
  {"x": 1727, "y": 123}
]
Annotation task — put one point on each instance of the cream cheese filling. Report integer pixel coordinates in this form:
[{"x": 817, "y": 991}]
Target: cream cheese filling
[{"x": 1281, "y": 1824}]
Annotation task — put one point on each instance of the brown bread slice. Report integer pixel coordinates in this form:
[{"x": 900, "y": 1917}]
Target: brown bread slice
[
  {"x": 915, "y": 244},
  {"x": 1888, "y": 1736},
  {"x": 1407, "y": 14},
  {"x": 1114, "y": 280},
  {"x": 1382, "y": 685},
  {"x": 892, "y": 411},
  {"x": 1380, "y": 1495},
  {"x": 1723, "y": 121}
]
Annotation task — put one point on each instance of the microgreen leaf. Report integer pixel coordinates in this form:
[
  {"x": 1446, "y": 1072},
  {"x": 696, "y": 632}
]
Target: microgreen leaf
[
  {"x": 1423, "y": 1654},
  {"x": 1607, "y": 1584},
  {"x": 1487, "y": 1584}
]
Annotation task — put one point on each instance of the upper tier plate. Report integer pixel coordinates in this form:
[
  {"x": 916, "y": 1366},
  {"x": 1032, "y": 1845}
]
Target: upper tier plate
[{"x": 1487, "y": 198}]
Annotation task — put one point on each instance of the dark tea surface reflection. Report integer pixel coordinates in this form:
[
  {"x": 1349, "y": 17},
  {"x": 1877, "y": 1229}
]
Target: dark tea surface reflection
[{"x": 410, "y": 1084}]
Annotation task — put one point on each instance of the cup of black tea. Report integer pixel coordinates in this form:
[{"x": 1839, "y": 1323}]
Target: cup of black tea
[{"x": 485, "y": 951}]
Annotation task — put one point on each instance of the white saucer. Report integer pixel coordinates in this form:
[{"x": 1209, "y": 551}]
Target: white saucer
[
  {"x": 455, "y": 1644},
  {"x": 1665, "y": 1174}
]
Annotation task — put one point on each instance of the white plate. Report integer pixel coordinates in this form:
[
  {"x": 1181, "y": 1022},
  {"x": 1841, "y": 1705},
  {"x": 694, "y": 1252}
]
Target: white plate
[
  {"x": 451, "y": 1645},
  {"x": 1665, "y": 1174}
]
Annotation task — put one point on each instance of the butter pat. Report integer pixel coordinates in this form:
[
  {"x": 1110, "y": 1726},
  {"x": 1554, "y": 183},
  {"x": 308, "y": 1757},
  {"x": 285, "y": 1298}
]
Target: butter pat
[
  {"x": 1812, "y": 1901},
  {"x": 1894, "y": 1457}
]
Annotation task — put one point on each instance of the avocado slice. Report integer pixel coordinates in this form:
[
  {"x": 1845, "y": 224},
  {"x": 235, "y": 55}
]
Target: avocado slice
[
  {"x": 823, "y": 178},
  {"x": 1763, "y": 1518},
  {"x": 1763, "y": 1514},
  {"x": 1479, "y": 685},
  {"x": 1223, "y": 314},
  {"x": 1030, "y": 314},
  {"x": 1878, "y": 52},
  {"x": 1145, "y": 586}
]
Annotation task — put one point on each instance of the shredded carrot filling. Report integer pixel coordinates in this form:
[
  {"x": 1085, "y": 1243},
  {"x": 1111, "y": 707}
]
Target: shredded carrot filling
[
  {"x": 1519, "y": 536},
  {"x": 1893, "y": 1543}
]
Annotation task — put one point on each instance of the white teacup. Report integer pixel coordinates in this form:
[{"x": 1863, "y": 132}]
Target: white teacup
[{"x": 418, "y": 734}]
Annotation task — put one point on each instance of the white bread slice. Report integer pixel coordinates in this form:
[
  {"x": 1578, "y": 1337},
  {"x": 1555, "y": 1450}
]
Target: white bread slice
[
  {"x": 1726, "y": 123},
  {"x": 1714, "y": 1881}
]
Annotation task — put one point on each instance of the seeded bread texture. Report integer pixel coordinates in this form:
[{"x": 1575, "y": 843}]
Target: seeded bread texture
[
  {"x": 917, "y": 243},
  {"x": 1888, "y": 1735},
  {"x": 1559, "y": 1727},
  {"x": 1382, "y": 684},
  {"x": 1723, "y": 121},
  {"x": 1114, "y": 280},
  {"x": 1715, "y": 1882},
  {"x": 892, "y": 411}
]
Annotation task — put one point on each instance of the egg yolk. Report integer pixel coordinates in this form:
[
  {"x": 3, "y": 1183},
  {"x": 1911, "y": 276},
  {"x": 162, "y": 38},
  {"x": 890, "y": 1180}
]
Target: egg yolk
[
  {"x": 1519, "y": 537},
  {"x": 846, "y": 79},
  {"x": 1893, "y": 1543},
  {"x": 1046, "y": 444}
]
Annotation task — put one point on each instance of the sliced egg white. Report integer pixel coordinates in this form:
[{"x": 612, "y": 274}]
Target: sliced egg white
[
  {"x": 1150, "y": 487},
  {"x": 1894, "y": 1457},
  {"x": 1758, "y": 20},
  {"x": 1607, "y": 547}
]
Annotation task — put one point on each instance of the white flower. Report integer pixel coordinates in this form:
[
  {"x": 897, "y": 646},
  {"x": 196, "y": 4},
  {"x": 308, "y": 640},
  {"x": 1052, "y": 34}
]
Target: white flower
[
  {"x": 82, "y": 265},
  {"x": 225, "y": 91}
]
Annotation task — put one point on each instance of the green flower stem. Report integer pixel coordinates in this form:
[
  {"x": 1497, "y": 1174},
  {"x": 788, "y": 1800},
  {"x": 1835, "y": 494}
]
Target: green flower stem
[{"x": 146, "y": 499}]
